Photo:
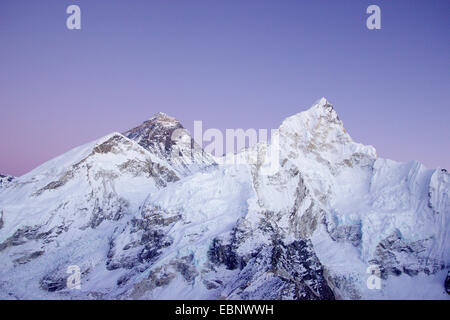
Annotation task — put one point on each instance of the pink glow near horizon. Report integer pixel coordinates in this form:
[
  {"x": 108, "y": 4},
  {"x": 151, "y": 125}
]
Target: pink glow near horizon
[{"x": 231, "y": 64}]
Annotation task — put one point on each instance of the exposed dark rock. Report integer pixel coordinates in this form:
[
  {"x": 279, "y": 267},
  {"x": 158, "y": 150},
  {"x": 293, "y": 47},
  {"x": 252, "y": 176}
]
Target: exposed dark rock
[
  {"x": 111, "y": 145},
  {"x": 165, "y": 137},
  {"x": 391, "y": 253},
  {"x": 160, "y": 173},
  {"x": 280, "y": 271},
  {"x": 211, "y": 285},
  {"x": 186, "y": 268},
  {"x": 156, "y": 134},
  {"x": 56, "y": 184},
  {"x": 155, "y": 216},
  {"x": 21, "y": 236},
  {"x": 146, "y": 247},
  {"x": 447, "y": 283},
  {"x": 28, "y": 257},
  {"x": 223, "y": 254},
  {"x": 55, "y": 281},
  {"x": 344, "y": 233},
  {"x": 125, "y": 278},
  {"x": 153, "y": 241},
  {"x": 110, "y": 207},
  {"x": 5, "y": 180},
  {"x": 163, "y": 275},
  {"x": 162, "y": 279}
]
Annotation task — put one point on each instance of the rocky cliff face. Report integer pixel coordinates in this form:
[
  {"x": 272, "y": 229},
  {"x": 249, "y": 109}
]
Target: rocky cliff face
[{"x": 147, "y": 215}]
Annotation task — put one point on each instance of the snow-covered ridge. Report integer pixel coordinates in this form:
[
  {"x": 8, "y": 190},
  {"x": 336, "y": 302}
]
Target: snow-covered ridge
[{"x": 148, "y": 215}]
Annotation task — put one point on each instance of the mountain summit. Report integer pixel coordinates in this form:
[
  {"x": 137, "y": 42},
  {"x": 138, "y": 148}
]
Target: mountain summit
[
  {"x": 321, "y": 136},
  {"x": 148, "y": 215},
  {"x": 165, "y": 137},
  {"x": 155, "y": 134}
]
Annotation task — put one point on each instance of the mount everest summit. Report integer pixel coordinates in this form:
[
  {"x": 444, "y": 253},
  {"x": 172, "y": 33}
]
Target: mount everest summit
[{"x": 147, "y": 214}]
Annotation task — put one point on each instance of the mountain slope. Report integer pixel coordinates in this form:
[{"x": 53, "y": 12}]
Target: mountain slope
[{"x": 68, "y": 207}]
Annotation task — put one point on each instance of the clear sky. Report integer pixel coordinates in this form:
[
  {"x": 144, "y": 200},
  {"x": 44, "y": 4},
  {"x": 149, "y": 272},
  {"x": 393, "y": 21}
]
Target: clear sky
[{"x": 232, "y": 64}]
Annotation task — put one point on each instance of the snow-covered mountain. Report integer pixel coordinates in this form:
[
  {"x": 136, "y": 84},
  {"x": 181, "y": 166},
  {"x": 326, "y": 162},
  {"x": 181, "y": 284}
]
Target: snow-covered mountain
[
  {"x": 148, "y": 215},
  {"x": 166, "y": 138}
]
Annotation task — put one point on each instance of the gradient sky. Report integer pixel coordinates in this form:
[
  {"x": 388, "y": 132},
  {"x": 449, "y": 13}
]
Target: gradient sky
[{"x": 232, "y": 64}]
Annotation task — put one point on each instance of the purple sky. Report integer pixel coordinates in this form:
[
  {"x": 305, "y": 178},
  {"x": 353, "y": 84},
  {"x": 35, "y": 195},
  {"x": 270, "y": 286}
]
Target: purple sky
[{"x": 232, "y": 64}]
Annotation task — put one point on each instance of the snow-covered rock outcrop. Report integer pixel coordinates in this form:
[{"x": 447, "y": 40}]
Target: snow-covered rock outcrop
[{"x": 5, "y": 180}]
